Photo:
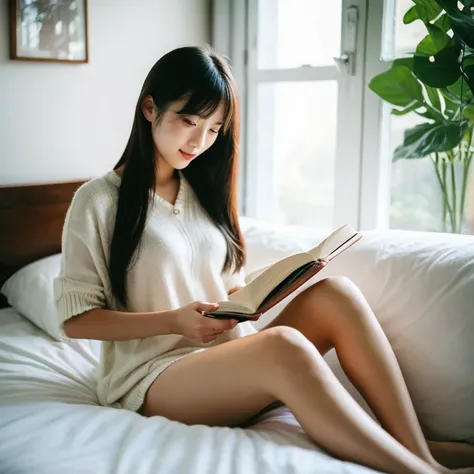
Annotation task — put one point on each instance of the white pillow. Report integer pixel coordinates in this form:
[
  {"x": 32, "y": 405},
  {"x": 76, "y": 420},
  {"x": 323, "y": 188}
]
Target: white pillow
[{"x": 30, "y": 292}]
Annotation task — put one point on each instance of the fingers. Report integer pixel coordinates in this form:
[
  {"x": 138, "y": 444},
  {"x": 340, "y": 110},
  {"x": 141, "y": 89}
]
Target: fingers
[
  {"x": 218, "y": 324},
  {"x": 208, "y": 328},
  {"x": 222, "y": 324},
  {"x": 203, "y": 306},
  {"x": 218, "y": 327},
  {"x": 213, "y": 335},
  {"x": 215, "y": 329}
]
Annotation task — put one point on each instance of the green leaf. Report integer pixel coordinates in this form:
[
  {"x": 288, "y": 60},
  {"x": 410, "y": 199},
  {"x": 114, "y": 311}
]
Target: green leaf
[
  {"x": 397, "y": 86},
  {"x": 443, "y": 23},
  {"x": 427, "y": 138},
  {"x": 442, "y": 71},
  {"x": 427, "y": 10},
  {"x": 461, "y": 90},
  {"x": 449, "y": 5},
  {"x": 468, "y": 112},
  {"x": 415, "y": 105},
  {"x": 461, "y": 23},
  {"x": 451, "y": 102},
  {"x": 463, "y": 27},
  {"x": 440, "y": 38},
  {"x": 433, "y": 96},
  {"x": 468, "y": 72},
  {"x": 426, "y": 47},
  {"x": 429, "y": 115},
  {"x": 450, "y": 96},
  {"x": 468, "y": 60},
  {"x": 411, "y": 15},
  {"x": 406, "y": 62},
  {"x": 469, "y": 75}
]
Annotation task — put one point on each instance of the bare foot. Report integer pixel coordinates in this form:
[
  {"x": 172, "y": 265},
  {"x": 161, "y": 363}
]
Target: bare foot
[
  {"x": 453, "y": 455},
  {"x": 446, "y": 470}
]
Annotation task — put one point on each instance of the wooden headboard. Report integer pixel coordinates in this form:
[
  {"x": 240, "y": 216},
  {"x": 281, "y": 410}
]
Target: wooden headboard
[{"x": 31, "y": 222}]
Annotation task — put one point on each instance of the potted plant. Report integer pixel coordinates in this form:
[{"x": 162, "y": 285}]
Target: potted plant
[{"x": 437, "y": 83}]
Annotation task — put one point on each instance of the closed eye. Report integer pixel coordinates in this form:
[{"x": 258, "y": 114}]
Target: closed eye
[
  {"x": 193, "y": 124},
  {"x": 189, "y": 122}
]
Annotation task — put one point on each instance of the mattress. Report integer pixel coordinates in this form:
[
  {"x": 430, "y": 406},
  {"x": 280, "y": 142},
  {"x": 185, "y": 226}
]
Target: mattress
[{"x": 50, "y": 422}]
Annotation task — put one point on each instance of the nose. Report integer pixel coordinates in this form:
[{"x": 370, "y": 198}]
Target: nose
[{"x": 197, "y": 139}]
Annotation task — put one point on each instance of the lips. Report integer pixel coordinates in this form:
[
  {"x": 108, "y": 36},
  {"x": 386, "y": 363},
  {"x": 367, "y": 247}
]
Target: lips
[{"x": 187, "y": 156}]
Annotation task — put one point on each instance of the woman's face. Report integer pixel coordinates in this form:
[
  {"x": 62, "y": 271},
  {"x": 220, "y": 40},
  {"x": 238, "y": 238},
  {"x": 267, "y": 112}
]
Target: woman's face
[{"x": 180, "y": 139}]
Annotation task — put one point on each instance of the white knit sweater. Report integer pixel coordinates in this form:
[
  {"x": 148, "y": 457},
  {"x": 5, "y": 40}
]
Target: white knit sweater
[{"x": 181, "y": 258}]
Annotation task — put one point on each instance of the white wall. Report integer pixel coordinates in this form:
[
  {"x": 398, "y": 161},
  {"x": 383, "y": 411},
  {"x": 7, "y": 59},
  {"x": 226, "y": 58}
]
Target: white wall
[{"x": 67, "y": 121}]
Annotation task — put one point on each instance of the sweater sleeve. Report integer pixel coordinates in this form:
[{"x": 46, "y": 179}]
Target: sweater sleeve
[{"x": 80, "y": 284}]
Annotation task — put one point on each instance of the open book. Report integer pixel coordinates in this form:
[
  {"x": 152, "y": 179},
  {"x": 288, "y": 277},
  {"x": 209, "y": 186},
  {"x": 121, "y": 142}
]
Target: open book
[{"x": 282, "y": 278}]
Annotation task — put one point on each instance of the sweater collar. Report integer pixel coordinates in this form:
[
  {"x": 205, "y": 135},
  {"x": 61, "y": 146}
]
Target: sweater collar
[{"x": 114, "y": 178}]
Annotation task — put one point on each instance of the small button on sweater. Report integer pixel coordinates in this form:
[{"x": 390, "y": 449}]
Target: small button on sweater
[{"x": 180, "y": 260}]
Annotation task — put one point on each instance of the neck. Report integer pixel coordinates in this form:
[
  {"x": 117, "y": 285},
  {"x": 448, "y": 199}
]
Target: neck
[{"x": 165, "y": 174}]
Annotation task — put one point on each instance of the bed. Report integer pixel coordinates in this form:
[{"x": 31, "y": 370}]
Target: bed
[{"x": 50, "y": 419}]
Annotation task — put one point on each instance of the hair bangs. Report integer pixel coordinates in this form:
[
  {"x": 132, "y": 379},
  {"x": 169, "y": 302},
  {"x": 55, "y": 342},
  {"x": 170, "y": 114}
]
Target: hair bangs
[{"x": 204, "y": 100}]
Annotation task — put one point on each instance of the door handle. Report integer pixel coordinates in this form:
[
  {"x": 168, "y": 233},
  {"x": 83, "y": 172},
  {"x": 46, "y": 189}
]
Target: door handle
[{"x": 347, "y": 61}]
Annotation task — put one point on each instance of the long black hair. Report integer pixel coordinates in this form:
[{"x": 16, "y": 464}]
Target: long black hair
[{"x": 204, "y": 79}]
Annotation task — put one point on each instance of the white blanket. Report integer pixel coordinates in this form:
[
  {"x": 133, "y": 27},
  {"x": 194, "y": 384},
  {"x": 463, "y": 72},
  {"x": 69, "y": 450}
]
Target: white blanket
[{"x": 50, "y": 423}]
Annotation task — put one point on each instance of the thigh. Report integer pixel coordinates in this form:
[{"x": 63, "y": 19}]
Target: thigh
[{"x": 221, "y": 386}]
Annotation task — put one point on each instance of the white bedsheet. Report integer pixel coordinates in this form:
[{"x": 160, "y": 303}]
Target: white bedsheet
[{"x": 50, "y": 423}]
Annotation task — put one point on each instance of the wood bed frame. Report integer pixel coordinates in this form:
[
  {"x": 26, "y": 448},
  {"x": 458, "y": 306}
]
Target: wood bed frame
[{"x": 31, "y": 222}]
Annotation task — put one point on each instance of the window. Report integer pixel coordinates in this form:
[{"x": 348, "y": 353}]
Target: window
[
  {"x": 297, "y": 123},
  {"x": 318, "y": 144},
  {"x": 295, "y": 33},
  {"x": 296, "y": 168}
]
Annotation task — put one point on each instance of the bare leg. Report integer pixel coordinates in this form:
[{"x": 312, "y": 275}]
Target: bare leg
[
  {"x": 334, "y": 313},
  {"x": 226, "y": 384}
]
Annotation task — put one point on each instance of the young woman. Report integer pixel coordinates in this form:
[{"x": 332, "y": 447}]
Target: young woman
[{"x": 152, "y": 244}]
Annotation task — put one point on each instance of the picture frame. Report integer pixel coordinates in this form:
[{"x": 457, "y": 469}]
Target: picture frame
[{"x": 49, "y": 30}]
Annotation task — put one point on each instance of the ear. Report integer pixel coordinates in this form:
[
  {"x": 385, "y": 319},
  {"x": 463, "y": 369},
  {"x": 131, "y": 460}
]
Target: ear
[{"x": 148, "y": 108}]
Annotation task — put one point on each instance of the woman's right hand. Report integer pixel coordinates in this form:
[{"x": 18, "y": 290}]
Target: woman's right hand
[{"x": 190, "y": 322}]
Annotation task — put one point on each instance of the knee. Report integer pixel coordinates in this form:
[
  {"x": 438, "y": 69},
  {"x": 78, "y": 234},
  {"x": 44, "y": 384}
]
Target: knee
[
  {"x": 340, "y": 298},
  {"x": 333, "y": 291},
  {"x": 335, "y": 285},
  {"x": 284, "y": 336},
  {"x": 287, "y": 346}
]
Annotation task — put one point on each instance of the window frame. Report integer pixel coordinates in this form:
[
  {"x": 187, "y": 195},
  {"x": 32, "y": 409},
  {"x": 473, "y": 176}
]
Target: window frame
[{"x": 362, "y": 194}]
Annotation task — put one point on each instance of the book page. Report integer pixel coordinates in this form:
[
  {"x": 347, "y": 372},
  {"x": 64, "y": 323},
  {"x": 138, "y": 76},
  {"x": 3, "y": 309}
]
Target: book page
[
  {"x": 231, "y": 307},
  {"x": 255, "y": 292},
  {"x": 333, "y": 241}
]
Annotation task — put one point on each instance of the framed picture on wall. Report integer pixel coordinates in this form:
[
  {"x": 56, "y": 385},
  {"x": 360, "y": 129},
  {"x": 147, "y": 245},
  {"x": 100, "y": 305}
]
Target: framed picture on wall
[{"x": 49, "y": 30}]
